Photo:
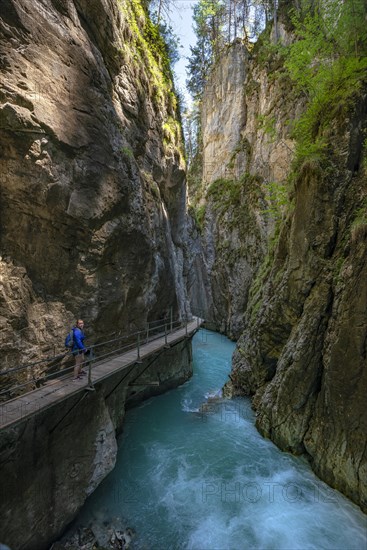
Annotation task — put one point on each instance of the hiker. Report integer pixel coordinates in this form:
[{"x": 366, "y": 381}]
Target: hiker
[{"x": 78, "y": 348}]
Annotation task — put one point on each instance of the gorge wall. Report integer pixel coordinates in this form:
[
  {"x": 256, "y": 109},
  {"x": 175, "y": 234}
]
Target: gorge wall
[
  {"x": 247, "y": 150},
  {"x": 285, "y": 262},
  {"x": 92, "y": 225},
  {"x": 92, "y": 174}
]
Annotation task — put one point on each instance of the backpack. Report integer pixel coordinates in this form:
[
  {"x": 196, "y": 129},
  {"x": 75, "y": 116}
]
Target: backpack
[{"x": 69, "y": 340}]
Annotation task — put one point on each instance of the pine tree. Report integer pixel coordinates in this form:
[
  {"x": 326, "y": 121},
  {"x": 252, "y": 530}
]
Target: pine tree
[{"x": 208, "y": 26}]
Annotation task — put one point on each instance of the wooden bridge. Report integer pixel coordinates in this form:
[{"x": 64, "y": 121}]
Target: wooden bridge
[{"x": 62, "y": 387}]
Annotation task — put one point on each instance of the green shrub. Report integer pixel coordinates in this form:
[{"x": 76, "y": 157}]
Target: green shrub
[
  {"x": 127, "y": 152},
  {"x": 328, "y": 65}
]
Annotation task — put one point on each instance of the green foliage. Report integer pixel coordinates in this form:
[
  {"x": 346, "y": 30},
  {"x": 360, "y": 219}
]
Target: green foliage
[
  {"x": 157, "y": 46},
  {"x": 364, "y": 161},
  {"x": 127, "y": 152},
  {"x": 149, "y": 45},
  {"x": 216, "y": 24},
  {"x": 226, "y": 193},
  {"x": 149, "y": 52},
  {"x": 338, "y": 267},
  {"x": 328, "y": 65},
  {"x": 170, "y": 38},
  {"x": 269, "y": 55},
  {"x": 359, "y": 226},
  {"x": 267, "y": 124},
  {"x": 171, "y": 130},
  {"x": 278, "y": 198},
  {"x": 191, "y": 124},
  {"x": 198, "y": 214},
  {"x": 208, "y": 30}
]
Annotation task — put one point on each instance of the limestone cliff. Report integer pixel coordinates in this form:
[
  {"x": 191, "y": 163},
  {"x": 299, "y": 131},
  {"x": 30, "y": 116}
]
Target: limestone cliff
[
  {"x": 285, "y": 262},
  {"x": 92, "y": 173},
  {"x": 247, "y": 151}
]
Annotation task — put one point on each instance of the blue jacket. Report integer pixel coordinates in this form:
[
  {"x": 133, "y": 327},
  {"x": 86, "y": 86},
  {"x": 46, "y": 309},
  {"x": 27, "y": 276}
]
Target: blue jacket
[{"x": 78, "y": 340}]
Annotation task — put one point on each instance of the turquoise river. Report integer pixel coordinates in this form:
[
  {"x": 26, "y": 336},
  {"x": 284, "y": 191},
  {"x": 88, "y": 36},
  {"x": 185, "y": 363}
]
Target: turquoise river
[{"x": 188, "y": 478}]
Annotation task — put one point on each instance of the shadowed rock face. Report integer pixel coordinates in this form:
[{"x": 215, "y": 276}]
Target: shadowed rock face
[
  {"x": 52, "y": 461},
  {"x": 92, "y": 198},
  {"x": 303, "y": 352}
]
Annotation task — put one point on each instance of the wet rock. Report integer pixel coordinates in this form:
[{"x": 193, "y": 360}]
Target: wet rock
[
  {"x": 121, "y": 540},
  {"x": 295, "y": 298},
  {"x": 109, "y": 535}
]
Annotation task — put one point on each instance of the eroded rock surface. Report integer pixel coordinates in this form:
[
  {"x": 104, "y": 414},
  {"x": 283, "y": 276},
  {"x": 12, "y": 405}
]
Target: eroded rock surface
[
  {"x": 303, "y": 351},
  {"x": 52, "y": 461},
  {"x": 285, "y": 267},
  {"x": 247, "y": 151},
  {"x": 92, "y": 174}
]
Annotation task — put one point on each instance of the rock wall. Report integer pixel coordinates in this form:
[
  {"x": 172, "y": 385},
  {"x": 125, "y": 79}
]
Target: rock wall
[
  {"x": 303, "y": 352},
  {"x": 53, "y": 461},
  {"x": 223, "y": 115},
  {"x": 247, "y": 151},
  {"x": 92, "y": 174},
  {"x": 284, "y": 266}
]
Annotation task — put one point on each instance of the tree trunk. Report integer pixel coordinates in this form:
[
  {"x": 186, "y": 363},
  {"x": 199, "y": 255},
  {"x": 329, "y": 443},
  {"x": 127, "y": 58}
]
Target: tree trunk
[{"x": 276, "y": 34}]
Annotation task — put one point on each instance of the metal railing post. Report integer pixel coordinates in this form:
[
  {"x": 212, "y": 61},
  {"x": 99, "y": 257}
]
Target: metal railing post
[
  {"x": 186, "y": 327},
  {"x": 165, "y": 334},
  {"x": 90, "y": 384},
  {"x": 147, "y": 332},
  {"x": 171, "y": 319},
  {"x": 138, "y": 346}
]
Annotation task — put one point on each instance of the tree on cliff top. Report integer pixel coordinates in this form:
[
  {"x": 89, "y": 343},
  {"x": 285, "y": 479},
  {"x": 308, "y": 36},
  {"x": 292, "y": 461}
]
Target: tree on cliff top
[
  {"x": 216, "y": 24},
  {"x": 208, "y": 27}
]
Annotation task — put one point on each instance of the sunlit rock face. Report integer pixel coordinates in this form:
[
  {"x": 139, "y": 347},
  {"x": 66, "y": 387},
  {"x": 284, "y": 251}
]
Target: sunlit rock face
[
  {"x": 92, "y": 174},
  {"x": 247, "y": 150},
  {"x": 224, "y": 115}
]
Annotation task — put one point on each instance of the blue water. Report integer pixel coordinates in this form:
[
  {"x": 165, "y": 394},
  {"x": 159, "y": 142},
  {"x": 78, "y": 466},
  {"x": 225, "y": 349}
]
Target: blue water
[{"x": 188, "y": 479}]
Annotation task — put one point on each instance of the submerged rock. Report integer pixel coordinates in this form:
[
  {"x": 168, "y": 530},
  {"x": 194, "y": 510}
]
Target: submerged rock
[{"x": 107, "y": 535}]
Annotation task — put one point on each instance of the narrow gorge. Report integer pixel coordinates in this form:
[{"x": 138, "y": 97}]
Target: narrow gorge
[
  {"x": 283, "y": 263},
  {"x": 105, "y": 215},
  {"x": 92, "y": 225}
]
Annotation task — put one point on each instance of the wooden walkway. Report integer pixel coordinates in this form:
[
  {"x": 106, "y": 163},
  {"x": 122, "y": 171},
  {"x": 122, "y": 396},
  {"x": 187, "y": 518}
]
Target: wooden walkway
[{"x": 54, "y": 391}]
